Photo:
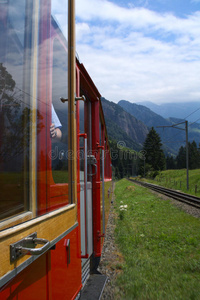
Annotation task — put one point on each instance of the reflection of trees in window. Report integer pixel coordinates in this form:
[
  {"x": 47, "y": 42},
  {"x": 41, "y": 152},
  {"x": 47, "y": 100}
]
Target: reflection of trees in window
[
  {"x": 15, "y": 124},
  {"x": 15, "y": 120}
]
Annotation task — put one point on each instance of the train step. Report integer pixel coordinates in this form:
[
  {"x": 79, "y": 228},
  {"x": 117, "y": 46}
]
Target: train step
[{"x": 94, "y": 287}]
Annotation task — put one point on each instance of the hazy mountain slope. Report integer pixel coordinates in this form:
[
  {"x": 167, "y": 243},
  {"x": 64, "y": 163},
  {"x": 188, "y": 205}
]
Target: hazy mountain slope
[
  {"x": 176, "y": 110},
  {"x": 122, "y": 126},
  {"x": 144, "y": 114},
  {"x": 172, "y": 138}
]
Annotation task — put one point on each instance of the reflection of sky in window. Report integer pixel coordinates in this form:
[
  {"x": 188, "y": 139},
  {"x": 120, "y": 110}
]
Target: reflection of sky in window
[
  {"x": 17, "y": 17},
  {"x": 59, "y": 10}
]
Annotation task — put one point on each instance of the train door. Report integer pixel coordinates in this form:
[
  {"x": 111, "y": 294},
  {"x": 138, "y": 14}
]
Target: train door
[
  {"x": 102, "y": 175},
  {"x": 38, "y": 211},
  {"x": 85, "y": 186}
]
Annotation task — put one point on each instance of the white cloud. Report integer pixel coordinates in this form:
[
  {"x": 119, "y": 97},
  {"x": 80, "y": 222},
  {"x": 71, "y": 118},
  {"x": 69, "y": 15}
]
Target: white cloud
[{"x": 137, "y": 54}]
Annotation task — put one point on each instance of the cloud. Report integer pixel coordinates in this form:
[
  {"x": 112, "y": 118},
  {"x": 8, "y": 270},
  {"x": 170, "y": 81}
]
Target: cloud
[{"x": 137, "y": 54}]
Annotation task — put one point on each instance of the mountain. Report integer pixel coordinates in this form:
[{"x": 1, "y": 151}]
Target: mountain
[
  {"x": 171, "y": 137},
  {"x": 176, "y": 110},
  {"x": 144, "y": 114},
  {"x": 129, "y": 123},
  {"x": 123, "y": 127}
]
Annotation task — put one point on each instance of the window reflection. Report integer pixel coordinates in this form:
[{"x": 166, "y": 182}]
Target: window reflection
[
  {"x": 59, "y": 89},
  {"x": 59, "y": 11},
  {"x": 22, "y": 112},
  {"x": 15, "y": 111}
]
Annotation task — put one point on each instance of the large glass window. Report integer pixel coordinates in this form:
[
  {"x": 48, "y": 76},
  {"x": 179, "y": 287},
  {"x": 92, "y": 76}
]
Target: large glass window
[
  {"x": 15, "y": 110},
  {"x": 33, "y": 78}
]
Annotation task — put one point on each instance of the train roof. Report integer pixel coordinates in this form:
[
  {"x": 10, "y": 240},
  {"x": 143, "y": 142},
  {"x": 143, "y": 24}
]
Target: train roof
[{"x": 94, "y": 94}]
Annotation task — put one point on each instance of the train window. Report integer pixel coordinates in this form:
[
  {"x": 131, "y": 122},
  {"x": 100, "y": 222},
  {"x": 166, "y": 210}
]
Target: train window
[
  {"x": 15, "y": 111},
  {"x": 88, "y": 130},
  {"x": 100, "y": 133},
  {"x": 81, "y": 145},
  {"x": 60, "y": 113},
  {"x": 81, "y": 117},
  {"x": 88, "y": 125},
  {"x": 101, "y": 142}
]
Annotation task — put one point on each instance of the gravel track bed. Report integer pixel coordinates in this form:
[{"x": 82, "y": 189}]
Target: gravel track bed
[
  {"x": 191, "y": 210},
  {"x": 110, "y": 258}
]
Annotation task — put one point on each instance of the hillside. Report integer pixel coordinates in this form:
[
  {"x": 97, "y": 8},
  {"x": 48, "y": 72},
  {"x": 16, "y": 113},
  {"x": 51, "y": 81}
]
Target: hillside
[
  {"x": 144, "y": 114},
  {"x": 172, "y": 138},
  {"x": 122, "y": 126}
]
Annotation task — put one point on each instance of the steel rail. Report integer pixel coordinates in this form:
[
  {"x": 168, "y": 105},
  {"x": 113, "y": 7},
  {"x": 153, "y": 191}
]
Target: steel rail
[{"x": 182, "y": 197}]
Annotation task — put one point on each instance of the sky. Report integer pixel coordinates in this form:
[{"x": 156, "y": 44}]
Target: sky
[{"x": 141, "y": 50}]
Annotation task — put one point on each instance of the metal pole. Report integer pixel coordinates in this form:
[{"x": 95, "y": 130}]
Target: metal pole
[
  {"x": 187, "y": 154},
  {"x": 187, "y": 151},
  {"x": 71, "y": 101}
]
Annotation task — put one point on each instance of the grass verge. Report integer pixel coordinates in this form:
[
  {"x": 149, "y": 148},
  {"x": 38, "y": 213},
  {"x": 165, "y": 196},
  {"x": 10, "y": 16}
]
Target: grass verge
[{"x": 160, "y": 245}]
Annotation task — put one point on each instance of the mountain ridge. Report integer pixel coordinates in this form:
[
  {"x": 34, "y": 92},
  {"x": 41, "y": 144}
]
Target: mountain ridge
[
  {"x": 130, "y": 130},
  {"x": 172, "y": 138},
  {"x": 180, "y": 110}
]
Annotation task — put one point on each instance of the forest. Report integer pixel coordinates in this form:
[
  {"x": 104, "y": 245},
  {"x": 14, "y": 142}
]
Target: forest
[{"x": 151, "y": 159}]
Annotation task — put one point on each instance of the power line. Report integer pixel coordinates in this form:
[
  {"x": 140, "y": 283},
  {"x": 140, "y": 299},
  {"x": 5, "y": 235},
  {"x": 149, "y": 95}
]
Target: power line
[
  {"x": 192, "y": 114},
  {"x": 194, "y": 122}
]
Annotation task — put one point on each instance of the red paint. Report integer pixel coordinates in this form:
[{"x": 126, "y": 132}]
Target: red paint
[{"x": 66, "y": 277}]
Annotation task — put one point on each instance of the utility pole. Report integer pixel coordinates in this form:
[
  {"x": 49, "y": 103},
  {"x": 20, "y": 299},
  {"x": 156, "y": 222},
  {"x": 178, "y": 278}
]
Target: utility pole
[{"x": 187, "y": 152}]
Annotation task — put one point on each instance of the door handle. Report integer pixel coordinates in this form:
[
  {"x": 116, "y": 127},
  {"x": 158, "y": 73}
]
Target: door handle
[
  {"x": 63, "y": 100},
  {"x": 27, "y": 246}
]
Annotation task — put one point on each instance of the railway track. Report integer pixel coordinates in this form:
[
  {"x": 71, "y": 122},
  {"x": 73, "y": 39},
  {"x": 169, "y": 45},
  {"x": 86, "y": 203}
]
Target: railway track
[{"x": 182, "y": 197}]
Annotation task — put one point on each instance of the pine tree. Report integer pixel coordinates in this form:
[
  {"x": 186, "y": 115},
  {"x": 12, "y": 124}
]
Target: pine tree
[
  {"x": 194, "y": 157},
  {"x": 154, "y": 155},
  {"x": 170, "y": 163},
  {"x": 181, "y": 158}
]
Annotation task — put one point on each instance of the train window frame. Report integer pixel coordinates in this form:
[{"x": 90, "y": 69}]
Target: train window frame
[
  {"x": 29, "y": 199},
  {"x": 31, "y": 212}
]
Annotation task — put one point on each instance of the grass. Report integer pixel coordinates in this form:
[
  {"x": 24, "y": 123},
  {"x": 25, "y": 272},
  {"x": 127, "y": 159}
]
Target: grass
[
  {"x": 60, "y": 176},
  {"x": 176, "y": 179},
  {"x": 160, "y": 245}
]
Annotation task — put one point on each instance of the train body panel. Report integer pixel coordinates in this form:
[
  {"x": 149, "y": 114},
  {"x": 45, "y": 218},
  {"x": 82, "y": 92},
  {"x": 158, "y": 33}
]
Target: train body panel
[
  {"x": 54, "y": 275},
  {"x": 55, "y": 165}
]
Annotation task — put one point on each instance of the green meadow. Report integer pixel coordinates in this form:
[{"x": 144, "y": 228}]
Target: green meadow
[{"x": 160, "y": 245}]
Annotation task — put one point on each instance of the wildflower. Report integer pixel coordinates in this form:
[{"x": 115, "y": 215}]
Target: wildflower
[{"x": 123, "y": 207}]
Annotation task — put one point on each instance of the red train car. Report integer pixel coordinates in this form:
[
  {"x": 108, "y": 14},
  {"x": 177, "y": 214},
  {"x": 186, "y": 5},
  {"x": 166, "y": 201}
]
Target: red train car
[{"x": 55, "y": 164}]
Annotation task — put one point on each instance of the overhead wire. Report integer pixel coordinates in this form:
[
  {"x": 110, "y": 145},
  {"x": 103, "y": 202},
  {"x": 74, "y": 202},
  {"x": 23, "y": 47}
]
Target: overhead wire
[{"x": 188, "y": 126}]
